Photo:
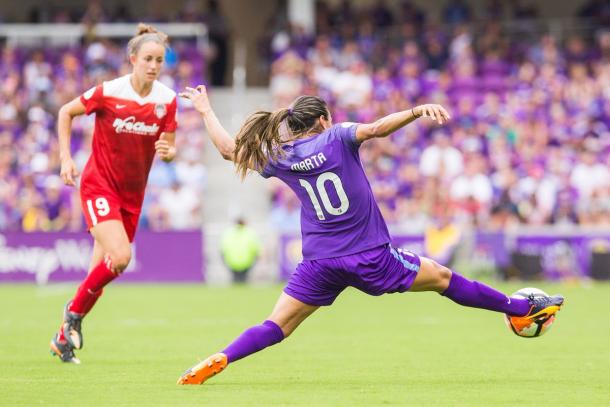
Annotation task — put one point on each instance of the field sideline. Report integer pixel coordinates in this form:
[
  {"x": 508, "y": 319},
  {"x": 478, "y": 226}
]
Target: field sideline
[{"x": 408, "y": 350}]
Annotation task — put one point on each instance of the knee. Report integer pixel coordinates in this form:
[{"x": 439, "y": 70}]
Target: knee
[
  {"x": 442, "y": 277},
  {"x": 286, "y": 323},
  {"x": 120, "y": 258}
]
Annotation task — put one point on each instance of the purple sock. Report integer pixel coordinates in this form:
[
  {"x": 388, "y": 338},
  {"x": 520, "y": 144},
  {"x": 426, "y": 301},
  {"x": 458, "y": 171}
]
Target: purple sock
[
  {"x": 479, "y": 295},
  {"x": 254, "y": 339}
]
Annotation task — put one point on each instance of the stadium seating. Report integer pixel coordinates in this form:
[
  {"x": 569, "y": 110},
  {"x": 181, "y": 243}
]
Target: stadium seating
[{"x": 529, "y": 142}]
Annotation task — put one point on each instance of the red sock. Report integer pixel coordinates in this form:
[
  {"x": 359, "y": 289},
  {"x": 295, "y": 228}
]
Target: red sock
[
  {"x": 92, "y": 300},
  {"x": 90, "y": 303},
  {"x": 91, "y": 288}
]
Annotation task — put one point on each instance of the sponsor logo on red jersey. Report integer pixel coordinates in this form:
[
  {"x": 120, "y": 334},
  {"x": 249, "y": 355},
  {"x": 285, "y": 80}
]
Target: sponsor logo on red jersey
[{"x": 129, "y": 125}]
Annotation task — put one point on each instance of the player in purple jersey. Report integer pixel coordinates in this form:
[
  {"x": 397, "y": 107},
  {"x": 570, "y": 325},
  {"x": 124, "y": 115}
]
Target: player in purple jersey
[{"x": 345, "y": 239}]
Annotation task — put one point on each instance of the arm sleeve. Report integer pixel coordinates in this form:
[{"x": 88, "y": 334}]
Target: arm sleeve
[
  {"x": 171, "y": 123},
  {"x": 347, "y": 133},
  {"x": 92, "y": 99}
]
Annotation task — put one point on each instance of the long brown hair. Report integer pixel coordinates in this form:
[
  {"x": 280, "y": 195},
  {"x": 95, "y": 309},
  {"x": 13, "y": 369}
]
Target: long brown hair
[{"x": 259, "y": 140}]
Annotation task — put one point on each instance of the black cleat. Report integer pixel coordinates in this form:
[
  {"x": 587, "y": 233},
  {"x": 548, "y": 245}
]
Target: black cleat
[
  {"x": 542, "y": 307},
  {"x": 64, "y": 351},
  {"x": 72, "y": 327}
]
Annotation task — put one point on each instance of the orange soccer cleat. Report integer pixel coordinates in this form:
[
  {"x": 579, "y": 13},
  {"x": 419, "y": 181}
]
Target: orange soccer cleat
[
  {"x": 202, "y": 371},
  {"x": 542, "y": 307},
  {"x": 542, "y": 313}
]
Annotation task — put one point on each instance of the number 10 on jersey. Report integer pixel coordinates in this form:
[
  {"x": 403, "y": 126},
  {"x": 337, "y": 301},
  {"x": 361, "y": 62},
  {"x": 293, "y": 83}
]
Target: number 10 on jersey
[{"x": 321, "y": 187}]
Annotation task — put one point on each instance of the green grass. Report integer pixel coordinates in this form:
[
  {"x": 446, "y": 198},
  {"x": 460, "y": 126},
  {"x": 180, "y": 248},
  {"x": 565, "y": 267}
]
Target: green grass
[{"x": 403, "y": 349}]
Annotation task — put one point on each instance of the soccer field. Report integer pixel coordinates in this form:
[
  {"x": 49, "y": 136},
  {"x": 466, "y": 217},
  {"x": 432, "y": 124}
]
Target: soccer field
[{"x": 403, "y": 349}]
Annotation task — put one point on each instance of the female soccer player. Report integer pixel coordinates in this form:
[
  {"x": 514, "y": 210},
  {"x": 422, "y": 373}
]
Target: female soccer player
[
  {"x": 135, "y": 118},
  {"x": 345, "y": 239}
]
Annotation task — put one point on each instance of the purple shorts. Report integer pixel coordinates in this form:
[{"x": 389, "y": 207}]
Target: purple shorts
[{"x": 377, "y": 271}]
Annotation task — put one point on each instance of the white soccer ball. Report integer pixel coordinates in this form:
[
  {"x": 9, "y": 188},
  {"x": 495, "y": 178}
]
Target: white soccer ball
[{"x": 524, "y": 328}]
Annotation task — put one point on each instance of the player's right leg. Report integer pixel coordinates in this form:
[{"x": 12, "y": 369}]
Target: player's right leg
[{"x": 287, "y": 315}]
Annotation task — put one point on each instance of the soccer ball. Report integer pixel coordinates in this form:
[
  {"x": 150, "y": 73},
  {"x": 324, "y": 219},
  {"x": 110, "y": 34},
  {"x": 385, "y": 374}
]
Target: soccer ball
[{"x": 529, "y": 329}]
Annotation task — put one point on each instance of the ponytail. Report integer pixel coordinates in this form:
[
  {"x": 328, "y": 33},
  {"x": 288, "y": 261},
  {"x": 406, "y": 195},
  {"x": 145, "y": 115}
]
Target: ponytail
[{"x": 260, "y": 140}]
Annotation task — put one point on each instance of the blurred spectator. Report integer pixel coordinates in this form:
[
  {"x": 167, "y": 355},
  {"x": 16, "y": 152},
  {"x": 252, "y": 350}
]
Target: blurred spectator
[
  {"x": 190, "y": 171},
  {"x": 218, "y": 35},
  {"x": 37, "y": 76},
  {"x": 286, "y": 213},
  {"x": 456, "y": 12},
  {"x": 181, "y": 206},
  {"x": 56, "y": 204},
  {"x": 589, "y": 176},
  {"x": 442, "y": 237},
  {"x": 240, "y": 248},
  {"x": 353, "y": 87},
  {"x": 441, "y": 159},
  {"x": 286, "y": 81},
  {"x": 94, "y": 13},
  {"x": 471, "y": 191}
]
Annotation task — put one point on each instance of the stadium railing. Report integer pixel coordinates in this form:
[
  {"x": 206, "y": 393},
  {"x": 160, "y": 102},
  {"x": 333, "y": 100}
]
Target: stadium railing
[{"x": 71, "y": 34}]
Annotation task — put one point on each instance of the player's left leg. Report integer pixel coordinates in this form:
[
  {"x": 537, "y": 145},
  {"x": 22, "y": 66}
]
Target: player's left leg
[
  {"x": 434, "y": 277},
  {"x": 70, "y": 325},
  {"x": 96, "y": 258},
  {"x": 314, "y": 283},
  {"x": 112, "y": 252},
  {"x": 286, "y": 316}
]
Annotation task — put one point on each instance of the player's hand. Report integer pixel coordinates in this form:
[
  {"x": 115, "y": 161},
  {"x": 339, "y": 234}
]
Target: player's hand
[
  {"x": 199, "y": 97},
  {"x": 164, "y": 149},
  {"x": 433, "y": 111},
  {"x": 68, "y": 172}
]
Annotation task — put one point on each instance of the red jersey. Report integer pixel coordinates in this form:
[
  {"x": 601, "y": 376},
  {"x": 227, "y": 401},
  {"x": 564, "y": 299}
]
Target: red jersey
[{"x": 126, "y": 128}]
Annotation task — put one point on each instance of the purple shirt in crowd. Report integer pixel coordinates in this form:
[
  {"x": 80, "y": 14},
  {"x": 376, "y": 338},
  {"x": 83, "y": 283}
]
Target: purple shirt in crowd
[{"x": 339, "y": 215}]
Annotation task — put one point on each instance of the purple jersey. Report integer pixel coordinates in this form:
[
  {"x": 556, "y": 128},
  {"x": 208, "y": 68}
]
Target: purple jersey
[{"x": 339, "y": 215}]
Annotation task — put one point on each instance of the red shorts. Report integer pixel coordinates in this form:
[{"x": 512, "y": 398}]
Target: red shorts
[{"x": 100, "y": 206}]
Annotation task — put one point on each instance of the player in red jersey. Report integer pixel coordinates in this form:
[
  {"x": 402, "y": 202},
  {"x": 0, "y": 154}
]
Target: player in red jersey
[{"x": 135, "y": 118}]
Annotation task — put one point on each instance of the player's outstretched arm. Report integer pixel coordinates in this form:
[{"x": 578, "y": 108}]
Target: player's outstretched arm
[
  {"x": 392, "y": 122},
  {"x": 224, "y": 143},
  {"x": 64, "y": 129}
]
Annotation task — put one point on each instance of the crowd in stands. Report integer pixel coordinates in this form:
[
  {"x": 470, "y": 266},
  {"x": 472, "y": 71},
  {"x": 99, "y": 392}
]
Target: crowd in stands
[
  {"x": 34, "y": 83},
  {"x": 529, "y": 142},
  {"x": 529, "y": 139}
]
